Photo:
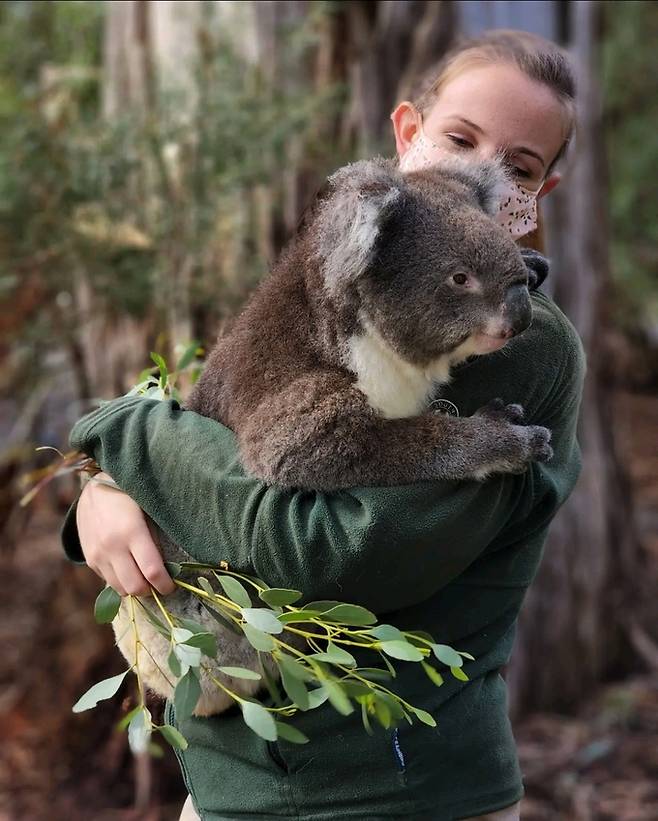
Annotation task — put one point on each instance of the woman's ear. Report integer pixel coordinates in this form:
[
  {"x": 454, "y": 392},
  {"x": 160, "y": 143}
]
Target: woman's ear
[
  {"x": 405, "y": 124},
  {"x": 549, "y": 184}
]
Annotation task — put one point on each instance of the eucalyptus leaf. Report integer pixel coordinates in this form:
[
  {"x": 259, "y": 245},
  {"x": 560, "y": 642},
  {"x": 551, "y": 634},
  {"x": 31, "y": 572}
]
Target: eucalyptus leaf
[
  {"x": 186, "y": 695},
  {"x": 338, "y": 697},
  {"x": 188, "y": 655},
  {"x": 294, "y": 667},
  {"x": 447, "y": 655},
  {"x": 459, "y": 673},
  {"x": 205, "y": 585},
  {"x": 216, "y": 613},
  {"x": 433, "y": 674},
  {"x": 425, "y": 717},
  {"x": 291, "y": 617},
  {"x": 173, "y": 736},
  {"x": 188, "y": 356},
  {"x": 125, "y": 721},
  {"x": 155, "y": 750},
  {"x": 466, "y": 655},
  {"x": 316, "y": 697},
  {"x": 262, "y": 619},
  {"x": 193, "y": 626},
  {"x": 335, "y": 655},
  {"x": 258, "y": 639},
  {"x": 139, "y": 731},
  {"x": 402, "y": 650},
  {"x": 156, "y": 622},
  {"x": 174, "y": 664},
  {"x": 279, "y": 596},
  {"x": 241, "y": 672},
  {"x": 100, "y": 691},
  {"x": 234, "y": 590},
  {"x": 374, "y": 673},
  {"x": 382, "y": 712},
  {"x": 350, "y": 614},
  {"x": 386, "y": 632},
  {"x": 295, "y": 689},
  {"x": 107, "y": 605},
  {"x": 289, "y": 733},
  {"x": 206, "y": 642},
  {"x": 174, "y": 569},
  {"x": 257, "y": 718}
]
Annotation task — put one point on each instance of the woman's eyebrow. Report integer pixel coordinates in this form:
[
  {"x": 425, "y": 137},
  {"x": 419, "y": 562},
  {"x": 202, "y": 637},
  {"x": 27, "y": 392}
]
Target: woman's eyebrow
[{"x": 467, "y": 122}]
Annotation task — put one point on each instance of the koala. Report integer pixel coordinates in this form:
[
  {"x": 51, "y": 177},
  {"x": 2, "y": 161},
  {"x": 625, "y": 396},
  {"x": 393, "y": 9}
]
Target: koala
[{"x": 327, "y": 375}]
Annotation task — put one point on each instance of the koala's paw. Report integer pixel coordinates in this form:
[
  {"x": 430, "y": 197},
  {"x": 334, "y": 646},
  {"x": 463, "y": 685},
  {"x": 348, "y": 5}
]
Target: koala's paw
[
  {"x": 537, "y": 266},
  {"x": 498, "y": 411},
  {"x": 538, "y": 443}
]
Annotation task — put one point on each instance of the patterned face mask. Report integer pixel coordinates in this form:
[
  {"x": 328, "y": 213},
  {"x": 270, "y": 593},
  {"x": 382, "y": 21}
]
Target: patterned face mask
[{"x": 518, "y": 205}]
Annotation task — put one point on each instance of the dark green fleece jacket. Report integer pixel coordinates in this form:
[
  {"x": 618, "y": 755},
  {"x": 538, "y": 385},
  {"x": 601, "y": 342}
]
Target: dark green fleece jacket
[{"x": 452, "y": 558}]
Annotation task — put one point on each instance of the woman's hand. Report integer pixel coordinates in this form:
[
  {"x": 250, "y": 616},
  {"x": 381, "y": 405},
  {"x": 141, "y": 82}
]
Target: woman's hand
[{"x": 116, "y": 542}]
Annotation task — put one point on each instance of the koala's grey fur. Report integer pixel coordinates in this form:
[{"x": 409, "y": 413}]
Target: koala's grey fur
[{"x": 327, "y": 375}]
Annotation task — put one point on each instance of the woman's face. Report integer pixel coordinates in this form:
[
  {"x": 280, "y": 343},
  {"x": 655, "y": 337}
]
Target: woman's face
[{"x": 488, "y": 110}]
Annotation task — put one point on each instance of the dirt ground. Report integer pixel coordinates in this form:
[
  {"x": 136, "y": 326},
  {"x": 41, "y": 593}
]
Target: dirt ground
[{"x": 600, "y": 764}]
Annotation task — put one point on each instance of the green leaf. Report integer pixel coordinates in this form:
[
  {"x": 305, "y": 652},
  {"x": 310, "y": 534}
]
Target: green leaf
[
  {"x": 459, "y": 673},
  {"x": 156, "y": 622},
  {"x": 382, "y": 712},
  {"x": 354, "y": 689},
  {"x": 186, "y": 695},
  {"x": 216, "y": 613},
  {"x": 234, "y": 590},
  {"x": 338, "y": 697},
  {"x": 389, "y": 666},
  {"x": 174, "y": 569},
  {"x": 241, "y": 672},
  {"x": 426, "y": 718},
  {"x": 432, "y": 673},
  {"x": 101, "y": 691},
  {"x": 176, "y": 739},
  {"x": 174, "y": 664},
  {"x": 466, "y": 655},
  {"x": 139, "y": 731},
  {"x": 294, "y": 667},
  {"x": 350, "y": 614},
  {"x": 396, "y": 709},
  {"x": 262, "y": 619},
  {"x": 257, "y": 718},
  {"x": 317, "y": 697},
  {"x": 258, "y": 639},
  {"x": 298, "y": 616},
  {"x": 374, "y": 673},
  {"x": 191, "y": 656},
  {"x": 155, "y": 750},
  {"x": 279, "y": 596},
  {"x": 335, "y": 655},
  {"x": 386, "y": 632},
  {"x": 206, "y": 642},
  {"x": 402, "y": 650},
  {"x": 192, "y": 626},
  {"x": 420, "y": 634},
  {"x": 271, "y": 685},
  {"x": 162, "y": 367},
  {"x": 294, "y": 688},
  {"x": 447, "y": 655},
  {"x": 107, "y": 605},
  {"x": 188, "y": 356},
  {"x": 289, "y": 733},
  {"x": 205, "y": 585},
  {"x": 321, "y": 606},
  {"x": 125, "y": 721}
]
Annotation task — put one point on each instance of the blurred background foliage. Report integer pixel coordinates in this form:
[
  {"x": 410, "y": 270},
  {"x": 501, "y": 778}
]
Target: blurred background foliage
[{"x": 155, "y": 157}]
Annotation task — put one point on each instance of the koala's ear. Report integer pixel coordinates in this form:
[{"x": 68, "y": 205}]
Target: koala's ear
[
  {"x": 487, "y": 179},
  {"x": 537, "y": 266},
  {"x": 365, "y": 197}
]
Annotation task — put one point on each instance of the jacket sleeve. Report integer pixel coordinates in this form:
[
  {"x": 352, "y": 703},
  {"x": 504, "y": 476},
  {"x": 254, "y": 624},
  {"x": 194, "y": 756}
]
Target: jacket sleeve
[{"x": 383, "y": 547}]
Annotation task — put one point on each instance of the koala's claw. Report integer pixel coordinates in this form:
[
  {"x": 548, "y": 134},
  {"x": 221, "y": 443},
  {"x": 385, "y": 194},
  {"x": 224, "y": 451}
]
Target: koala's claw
[{"x": 499, "y": 411}]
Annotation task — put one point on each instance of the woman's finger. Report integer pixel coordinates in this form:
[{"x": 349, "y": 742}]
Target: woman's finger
[
  {"x": 129, "y": 575},
  {"x": 149, "y": 561}
]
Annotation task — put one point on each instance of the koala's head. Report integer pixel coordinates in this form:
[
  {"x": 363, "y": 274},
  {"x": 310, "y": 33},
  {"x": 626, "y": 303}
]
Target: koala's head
[{"x": 422, "y": 259}]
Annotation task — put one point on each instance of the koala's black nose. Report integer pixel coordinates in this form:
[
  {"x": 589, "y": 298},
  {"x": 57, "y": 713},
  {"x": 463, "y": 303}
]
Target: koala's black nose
[{"x": 517, "y": 309}]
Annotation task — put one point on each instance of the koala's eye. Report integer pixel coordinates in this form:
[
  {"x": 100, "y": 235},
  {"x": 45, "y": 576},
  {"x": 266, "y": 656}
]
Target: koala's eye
[{"x": 459, "y": 279}]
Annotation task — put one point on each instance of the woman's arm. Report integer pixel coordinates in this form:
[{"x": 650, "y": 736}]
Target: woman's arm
[{"x": 386, "y": 548}]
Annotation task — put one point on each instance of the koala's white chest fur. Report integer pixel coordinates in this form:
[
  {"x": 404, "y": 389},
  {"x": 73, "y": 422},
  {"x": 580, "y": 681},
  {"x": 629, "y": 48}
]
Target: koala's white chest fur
[{"x": 395, "y": 387}]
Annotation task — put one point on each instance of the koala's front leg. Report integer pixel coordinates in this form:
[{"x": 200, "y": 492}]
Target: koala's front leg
[{"x": 325, "y": 436}]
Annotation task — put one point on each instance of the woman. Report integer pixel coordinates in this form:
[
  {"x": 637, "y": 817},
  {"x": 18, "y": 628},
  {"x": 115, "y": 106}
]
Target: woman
[{"x": 451, "y": 558}]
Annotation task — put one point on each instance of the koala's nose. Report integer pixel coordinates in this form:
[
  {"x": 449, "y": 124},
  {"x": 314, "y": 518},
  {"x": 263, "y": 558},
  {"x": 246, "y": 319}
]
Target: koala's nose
[{"x": 517, "y": 311}]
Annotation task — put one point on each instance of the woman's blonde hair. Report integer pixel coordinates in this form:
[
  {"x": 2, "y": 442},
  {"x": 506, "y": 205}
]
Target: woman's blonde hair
[{"x": 538, "y": 58}]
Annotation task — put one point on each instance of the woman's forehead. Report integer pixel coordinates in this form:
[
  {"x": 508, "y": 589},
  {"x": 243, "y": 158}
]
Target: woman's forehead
[{"x": 509, "y": 107}]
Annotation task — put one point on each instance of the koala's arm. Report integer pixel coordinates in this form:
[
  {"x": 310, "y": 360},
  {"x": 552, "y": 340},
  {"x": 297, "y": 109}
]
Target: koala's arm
[{"x": 385, "y": 548}]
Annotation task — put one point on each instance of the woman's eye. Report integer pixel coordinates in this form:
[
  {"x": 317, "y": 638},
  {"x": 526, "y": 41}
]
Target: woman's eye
[
  {"x": 460, "y": 141},
  {"x": 521, "y": 172},
  {"x": 459, "y": 279}
]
